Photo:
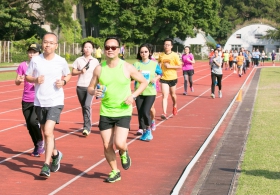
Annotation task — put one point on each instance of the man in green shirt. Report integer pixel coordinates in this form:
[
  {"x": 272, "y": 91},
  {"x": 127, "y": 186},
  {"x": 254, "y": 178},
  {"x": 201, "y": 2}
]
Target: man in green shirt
[{"x": 116, "y": 105}]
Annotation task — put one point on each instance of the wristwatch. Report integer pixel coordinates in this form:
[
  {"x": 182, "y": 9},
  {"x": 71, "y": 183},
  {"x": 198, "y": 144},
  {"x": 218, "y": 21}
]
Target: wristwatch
[{"x": 134, "y": 97}]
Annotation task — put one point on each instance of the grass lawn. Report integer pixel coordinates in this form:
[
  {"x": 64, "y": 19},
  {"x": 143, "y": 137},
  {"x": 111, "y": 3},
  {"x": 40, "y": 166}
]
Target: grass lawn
[{"x": 260, "y": 170}]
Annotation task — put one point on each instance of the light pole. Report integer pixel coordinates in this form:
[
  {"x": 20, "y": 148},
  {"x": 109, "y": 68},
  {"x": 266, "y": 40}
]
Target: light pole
[{"x": 91, "y": 29}]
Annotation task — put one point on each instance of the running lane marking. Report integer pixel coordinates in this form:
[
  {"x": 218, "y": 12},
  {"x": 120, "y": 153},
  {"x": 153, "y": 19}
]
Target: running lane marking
[{"x": 130, "y": 142}]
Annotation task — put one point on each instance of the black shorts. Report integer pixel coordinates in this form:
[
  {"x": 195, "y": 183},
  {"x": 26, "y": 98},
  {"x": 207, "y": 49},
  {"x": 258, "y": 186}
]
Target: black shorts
[
  {"x": 110, "y": 122},
  {"x": 188, "y": 72},
  {"x": 171, "y": 83},
  {"x": 48, "y": 113}
]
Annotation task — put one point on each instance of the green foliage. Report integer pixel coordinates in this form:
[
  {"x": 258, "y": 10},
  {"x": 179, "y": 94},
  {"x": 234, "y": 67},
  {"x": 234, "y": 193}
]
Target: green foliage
[
  {"x": 96, "y": 41},
  {"x": 153, "y": 20},
  {"x": 67, "y": 57}
]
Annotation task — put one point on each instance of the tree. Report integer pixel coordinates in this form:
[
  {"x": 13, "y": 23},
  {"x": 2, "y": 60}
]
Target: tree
[{"x": 141, "y": 21}]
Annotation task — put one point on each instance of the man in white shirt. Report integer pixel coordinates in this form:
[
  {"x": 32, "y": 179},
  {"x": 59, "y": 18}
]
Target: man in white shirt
[{"x": 47, "y": 71}]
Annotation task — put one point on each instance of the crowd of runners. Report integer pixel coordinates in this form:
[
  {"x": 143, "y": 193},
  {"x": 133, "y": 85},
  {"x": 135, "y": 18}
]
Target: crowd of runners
[{"x": 45, "y": 73}]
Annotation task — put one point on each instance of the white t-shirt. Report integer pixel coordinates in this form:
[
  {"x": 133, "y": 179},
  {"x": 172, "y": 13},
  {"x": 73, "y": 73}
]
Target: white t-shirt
[
  {"x": 80, "y": 62},
  {"x": 47, "y": 94}
]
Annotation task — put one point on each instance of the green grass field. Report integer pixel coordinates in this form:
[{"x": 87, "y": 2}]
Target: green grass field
[{"x": 260, "y": 170}]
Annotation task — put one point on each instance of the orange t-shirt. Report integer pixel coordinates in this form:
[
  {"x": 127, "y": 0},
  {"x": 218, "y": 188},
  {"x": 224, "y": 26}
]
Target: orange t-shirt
[{"x": 240, "y": 60}]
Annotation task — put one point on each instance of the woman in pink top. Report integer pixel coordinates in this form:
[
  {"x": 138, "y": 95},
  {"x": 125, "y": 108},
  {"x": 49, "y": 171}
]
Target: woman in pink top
[
  {"x": 27, "y": 103},
  {"x": 188, "y": 61}
]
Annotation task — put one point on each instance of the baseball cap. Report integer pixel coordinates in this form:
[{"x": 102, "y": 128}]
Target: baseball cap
[
  {"x": 35, "y": 47},
  {"x": 218, "y": 46},
  {"x": 212, "y": 49}
]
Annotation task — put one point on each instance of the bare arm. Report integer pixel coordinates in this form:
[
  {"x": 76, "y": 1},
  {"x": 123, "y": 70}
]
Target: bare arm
[
  {"x": 19, "y": 79},
  {"x": 78, "y": 72},
  {"x": 94, "y": 81}
]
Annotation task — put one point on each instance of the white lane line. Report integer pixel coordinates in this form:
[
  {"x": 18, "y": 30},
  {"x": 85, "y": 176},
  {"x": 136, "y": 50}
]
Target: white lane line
[
  {"x": 191, "y": 164},
  {"x": 102, "y": 160}
]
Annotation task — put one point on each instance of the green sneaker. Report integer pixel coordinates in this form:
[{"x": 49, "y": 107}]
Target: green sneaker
[
  {"x": 125, "y": 160},
  {"x": 114, "y": 176},
  {"x": 45, "y": 172},
  {"x": 56, "y": 162}
]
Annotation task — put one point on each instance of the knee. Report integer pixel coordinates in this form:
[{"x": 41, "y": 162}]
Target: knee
[{"x": 108, "y": 146}]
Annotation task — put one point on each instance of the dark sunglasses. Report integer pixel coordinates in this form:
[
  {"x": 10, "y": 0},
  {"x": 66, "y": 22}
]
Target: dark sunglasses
[{"x": 111, "y": 47}]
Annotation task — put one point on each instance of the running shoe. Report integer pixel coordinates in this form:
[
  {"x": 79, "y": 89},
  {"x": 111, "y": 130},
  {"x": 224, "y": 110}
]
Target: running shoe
[
  {"x": 175, "y": 112},
  {"x": 239, "y": 75},
  {"x": 139, "y": 132},
  {"x": 144, "y": 136},
  {"x": 213, "y": 95},
  {"x": 153, "y": 125},
  {"x": 220, "y": 94},
  {"x": 185, "y": 93},
  {"x": 149, "y": 135},
  {"x": 163, "y": 117},
  {"x": 56, "y": 162},
  {"x": 45, "y": 172},
  {"x": 114, "y": 176},
  {"x": 35, "y": 152},
  {"x": 192, "y": 89},
  {"x": 86, "y": 132},
  {"x": 41, "y": 148},
  {"x": 125, "y": 160}
]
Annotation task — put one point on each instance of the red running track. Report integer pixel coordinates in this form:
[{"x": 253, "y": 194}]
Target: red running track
[{"x": 156, "y": 165}]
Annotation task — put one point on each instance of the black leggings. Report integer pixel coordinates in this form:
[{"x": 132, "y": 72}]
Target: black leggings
[
  {"x": 219, "y": 81},
  {"x": 144, "y": 105},
  {"x": 32, "y": 123}
]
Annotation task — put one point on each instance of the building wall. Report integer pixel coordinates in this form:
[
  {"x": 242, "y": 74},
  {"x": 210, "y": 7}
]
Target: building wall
[{"x": 245, "y": 37}]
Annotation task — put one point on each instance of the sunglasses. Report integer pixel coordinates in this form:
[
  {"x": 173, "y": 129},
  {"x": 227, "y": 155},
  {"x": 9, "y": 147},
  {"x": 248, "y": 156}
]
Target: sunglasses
[
  {"x": 144, "y": 51},
  {"x": 111, "y": 47}
]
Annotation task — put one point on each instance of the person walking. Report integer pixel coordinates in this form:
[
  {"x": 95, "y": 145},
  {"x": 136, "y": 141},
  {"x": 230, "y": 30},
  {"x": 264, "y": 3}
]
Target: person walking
[
  {"x": 47, "y": 71},
  {"x": 262, "y": 58},
  {"x": 216, "y": 74},
  {"x": 144, "y": 102},
  {"x": 27, "y": 103},
  {"x": 273, "y": 55},
  {"x": 240, "y": 62},
  {"x": 169, "y": 62},
  {"x": 84, "y": 67},
  {"x": 116, "y": 105},
  {"x": 188, "y": 70}
]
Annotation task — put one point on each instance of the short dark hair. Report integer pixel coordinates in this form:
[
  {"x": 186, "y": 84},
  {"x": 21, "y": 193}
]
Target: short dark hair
[
  {"x": 51, "y": 33},
  {"x": 168, "y": 39},
  {"x": 116, "y": 38},
  {"x": 83, "y": 45},
  {"x": 147, "y": 45}
]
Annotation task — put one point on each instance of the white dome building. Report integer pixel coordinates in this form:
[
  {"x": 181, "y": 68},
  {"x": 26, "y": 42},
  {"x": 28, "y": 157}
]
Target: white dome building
[{"x": 250, "y": 37}]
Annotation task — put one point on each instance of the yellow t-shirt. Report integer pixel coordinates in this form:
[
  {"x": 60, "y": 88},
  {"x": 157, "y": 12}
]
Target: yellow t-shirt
[
  {"x": 174, "y": 60},
  {"x": 98, "y": 53}
]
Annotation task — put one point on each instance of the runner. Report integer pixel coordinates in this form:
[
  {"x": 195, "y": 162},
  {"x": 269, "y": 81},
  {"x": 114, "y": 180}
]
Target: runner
[
  {"x": 188, "y": 71},
  {"x": 216, "y": 74},
  {"x": 226, "y": 59},
  {"x": 240, "y": 61},
  {"x": 46, "y": 71},
  {"x": 98, "y": 53},
  {"x": 116, "y": 105},
  {"x": 84, "y": 67},
  {"x": 169, "y": 62},
  {"x": 27, "y": 103},
  {"x": 144, "y": 102}
]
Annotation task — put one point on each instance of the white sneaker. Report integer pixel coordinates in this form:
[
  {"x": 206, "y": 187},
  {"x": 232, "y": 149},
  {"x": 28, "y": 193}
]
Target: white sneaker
[
  {"x": 220, "y": 94},
  {"x": 139, "y": 132},
  {"x": 213, "y": 95}
]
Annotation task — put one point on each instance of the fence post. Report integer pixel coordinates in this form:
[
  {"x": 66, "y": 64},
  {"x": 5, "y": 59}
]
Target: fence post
[
  {"x": 4, "y": 45},
  {"x": 63, "y": 48},
  {"x": 0, "y": 51}
]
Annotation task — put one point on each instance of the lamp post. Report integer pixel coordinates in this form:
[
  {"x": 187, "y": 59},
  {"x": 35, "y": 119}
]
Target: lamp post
[{"x": 91, "y": 29}]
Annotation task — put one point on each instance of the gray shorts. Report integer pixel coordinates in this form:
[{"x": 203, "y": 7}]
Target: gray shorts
[{"x": 48, "y": 113}]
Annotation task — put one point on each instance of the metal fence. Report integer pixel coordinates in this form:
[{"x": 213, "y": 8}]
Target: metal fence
[{"x": 11, "y": 52}]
